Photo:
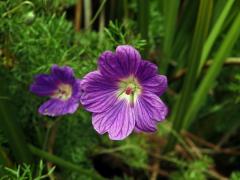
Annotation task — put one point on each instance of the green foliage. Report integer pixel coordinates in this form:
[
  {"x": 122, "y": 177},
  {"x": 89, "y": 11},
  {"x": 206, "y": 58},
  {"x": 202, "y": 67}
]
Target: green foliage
[
  {"x": 25, "y": 171},
  {"x": 194, "y": 170},
  {"x": 119, "y": 34},
  {"x": 133, "y": 151},
  {"x": 76, "y": 141},
  {"x": 235, "y": 175}
]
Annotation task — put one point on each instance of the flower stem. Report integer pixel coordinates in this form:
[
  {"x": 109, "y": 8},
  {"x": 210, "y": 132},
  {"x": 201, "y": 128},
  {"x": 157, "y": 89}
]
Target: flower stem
[
  {"x": 62, "y": 163},
  {"x": 10, "y": 127}
]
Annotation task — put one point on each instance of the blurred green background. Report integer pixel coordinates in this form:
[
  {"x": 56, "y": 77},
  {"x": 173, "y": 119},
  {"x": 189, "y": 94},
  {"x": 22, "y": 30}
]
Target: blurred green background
[{"x": 194, "y": 43}]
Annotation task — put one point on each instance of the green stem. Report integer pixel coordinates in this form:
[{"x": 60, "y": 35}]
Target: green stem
[
  {"x": 97, "y": 13},
  {"x": 18, "y": 7},
  {"x": 87, "y": 12},
  {"x": 170, "y": 12},
  {"x": 12, "y": 129},
  {"x": 62, "y": 163},
  {"x": 4, "y": 158},
  {"x": 143, "y": 21}
]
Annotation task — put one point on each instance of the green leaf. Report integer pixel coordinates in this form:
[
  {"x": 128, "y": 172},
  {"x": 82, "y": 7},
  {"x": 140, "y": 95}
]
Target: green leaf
[
  {"x": 12, "y": 129},
  {"x": 215, "y": 32},
  {"x": 62, "y": 163},
  {"x": 170, "y": 11},
  {"x": 214, "y": 70},
  {"x": 200, "y": 34}
]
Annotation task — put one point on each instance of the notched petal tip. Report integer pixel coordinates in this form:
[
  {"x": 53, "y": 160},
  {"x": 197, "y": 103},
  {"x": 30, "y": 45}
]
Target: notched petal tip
[
  {"x": 118, "y": 121},
  {"x": 128, "y": 49}
]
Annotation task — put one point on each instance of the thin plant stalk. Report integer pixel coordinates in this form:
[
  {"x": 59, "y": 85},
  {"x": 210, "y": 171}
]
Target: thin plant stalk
[
  {"x": 170, "y": 11},
  {"x": 62, "y": 163},
  {"x": 87, "y": 13},
  {"x": 12, "y": 130},
  {"x": 4, "y": 158},
  {"x": 78, "y": 15},
  {"x": 100, "y": 9},
  {"x": 143, "y": 20}
]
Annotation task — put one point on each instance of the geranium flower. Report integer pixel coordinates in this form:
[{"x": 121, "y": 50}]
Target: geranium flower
[
  {"x": 123, "y": 94},
  {"x": 62, "y": 88}
]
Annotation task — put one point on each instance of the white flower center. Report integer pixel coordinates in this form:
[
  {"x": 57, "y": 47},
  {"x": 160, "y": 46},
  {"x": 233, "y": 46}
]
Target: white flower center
[
  {"x": 64, "y": 92},
  {"x": 129, "y": 89}
]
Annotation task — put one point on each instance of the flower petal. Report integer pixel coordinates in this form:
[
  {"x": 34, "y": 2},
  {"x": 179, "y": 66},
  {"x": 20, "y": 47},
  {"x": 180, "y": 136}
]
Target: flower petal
[
  {"x": 98, "y": 93},
  {"x": 121, "y": 64},
  {"x": 156, "y": 84},
  {"x": 56, "y": 107},
  {"x": 129, "y": 57},
  {"x": 44, "y": 85},
  {"x": 149, "y": 110},
  {"x": 146, "y": 70},
  {"x": 110, "y": 66},
  {"x": 64, "y": 74},
  {"x": 76, "y": 89},
  {"x": 118, "y": 121}
]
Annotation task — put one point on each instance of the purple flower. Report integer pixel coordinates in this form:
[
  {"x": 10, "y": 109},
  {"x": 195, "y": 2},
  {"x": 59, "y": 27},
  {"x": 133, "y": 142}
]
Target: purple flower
[
  {"x": 62, "y": 88},
  {"x": 123, "y": 94}
]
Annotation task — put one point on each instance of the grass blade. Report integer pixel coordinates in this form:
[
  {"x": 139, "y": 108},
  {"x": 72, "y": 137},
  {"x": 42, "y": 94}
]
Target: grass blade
[
  {"x": 12, "y": 130},
  {"x": 213, "y": 71},
  {"x": 215, "y": 32},
  {"x": 143, "y": 20},
  {"x": 170, "y": 11},
  {"x": 200, "y": 34},
  {"x": 87, "y": 13},
  {"x": 62, "y": 163}
]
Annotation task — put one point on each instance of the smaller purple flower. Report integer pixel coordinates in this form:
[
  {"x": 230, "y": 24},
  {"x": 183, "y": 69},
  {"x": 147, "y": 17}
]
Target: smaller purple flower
[{"x": 62, "y": 88}]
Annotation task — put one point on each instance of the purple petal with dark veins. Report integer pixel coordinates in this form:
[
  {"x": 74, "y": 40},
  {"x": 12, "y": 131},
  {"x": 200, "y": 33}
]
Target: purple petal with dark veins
[
  {"x": 118, "y": 121},
  {"x": 129, "y": 57},
  {"x": 56, "y": 107},
  {"x": 149, "y": 109},
  {"x": 98, "y": 93},
  {"x": 156, "y": 84},
  {"x": 76, "y": 89},
  {"x": 146, "y": 70},
  {"x": 120, "y": 64},
  {"x": 64, "y": 74},
  {"x": 44, "y": 85}
]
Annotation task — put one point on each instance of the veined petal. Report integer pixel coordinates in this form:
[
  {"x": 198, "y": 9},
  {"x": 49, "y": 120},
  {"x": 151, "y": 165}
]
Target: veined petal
[
  {"x": 118, "y": 121},
  {"x": 64, "y": 74},
  {"x": 44, "y": 85},
  {"x": 120, "y": 64},
  {"x": 110, "y": 66},
  {"x": 98, "y": 93},
  {"x": 129, "y": 57},
  {"x": 56, "y": 107},
  {"x": 76, "y": 89},
  {"x": 156, "y": 84},
  {"x": 146, "y": 70},
  {"x": 149, "y": 109}
]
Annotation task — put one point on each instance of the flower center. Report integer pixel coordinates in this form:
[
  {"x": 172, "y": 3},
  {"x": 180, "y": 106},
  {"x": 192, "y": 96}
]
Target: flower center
[
  {"x": 129, "y": 89},
  {"x": 63, "y": 92}
]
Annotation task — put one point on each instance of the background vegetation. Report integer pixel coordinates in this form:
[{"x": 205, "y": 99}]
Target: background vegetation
[{"x": 195, "y": 43}]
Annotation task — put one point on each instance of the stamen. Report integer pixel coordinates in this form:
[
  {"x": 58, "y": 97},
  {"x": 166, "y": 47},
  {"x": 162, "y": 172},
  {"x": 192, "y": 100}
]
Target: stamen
[
  {"x": 63, "y": 92},
  {"x": 129, "y": 91}
]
